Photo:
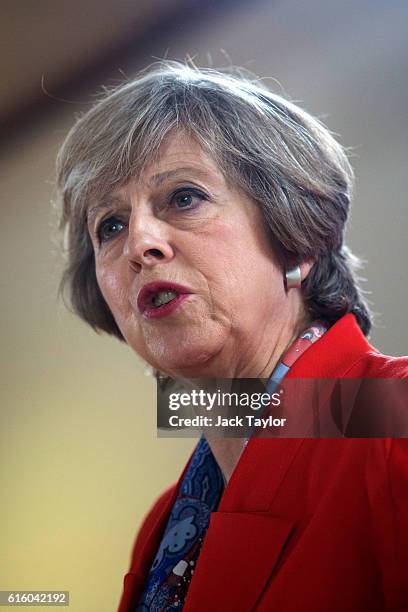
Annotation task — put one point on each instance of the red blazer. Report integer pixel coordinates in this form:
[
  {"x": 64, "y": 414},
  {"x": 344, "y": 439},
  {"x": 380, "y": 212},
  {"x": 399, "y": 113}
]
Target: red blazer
[{"x": 304, "y": 525}]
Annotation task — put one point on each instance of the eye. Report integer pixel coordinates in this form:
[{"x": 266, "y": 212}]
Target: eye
[
  {"x": 187, "y": 199},
  {"x": 109, "y": 228}
]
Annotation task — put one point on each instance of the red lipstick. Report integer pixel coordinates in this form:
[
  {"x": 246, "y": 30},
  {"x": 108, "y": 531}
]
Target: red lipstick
[{"x": 148, "y": 296}]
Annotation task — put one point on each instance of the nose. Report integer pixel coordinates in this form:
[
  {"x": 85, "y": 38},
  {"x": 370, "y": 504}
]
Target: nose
[{"x": 147, "y": 242}]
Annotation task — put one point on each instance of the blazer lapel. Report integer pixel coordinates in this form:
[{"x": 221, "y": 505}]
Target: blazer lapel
[{"x": 244, "y": 532}]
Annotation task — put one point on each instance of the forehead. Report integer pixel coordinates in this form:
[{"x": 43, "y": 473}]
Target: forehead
[
  {"x": 179, "y": 146},
  {"x": 180, "y": 156},
  {"x": 179, "y": 153}
]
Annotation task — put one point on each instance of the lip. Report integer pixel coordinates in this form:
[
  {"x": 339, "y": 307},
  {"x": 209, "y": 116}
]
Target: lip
[{"x": 147, "y": 291}]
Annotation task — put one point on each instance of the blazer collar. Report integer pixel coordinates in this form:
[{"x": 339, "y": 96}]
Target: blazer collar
[{"x": 343, "y": 345}]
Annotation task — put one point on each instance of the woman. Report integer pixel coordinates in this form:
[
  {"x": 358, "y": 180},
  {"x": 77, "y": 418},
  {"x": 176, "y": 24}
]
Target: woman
[{"x": 204, "y": 222}]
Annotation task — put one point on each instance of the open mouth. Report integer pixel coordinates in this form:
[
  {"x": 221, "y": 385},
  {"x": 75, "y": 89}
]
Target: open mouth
[{"x": 160, "y": 298}]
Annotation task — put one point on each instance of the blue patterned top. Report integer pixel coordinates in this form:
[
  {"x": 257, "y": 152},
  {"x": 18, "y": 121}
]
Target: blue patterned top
[{"x": 173, "y": 566}]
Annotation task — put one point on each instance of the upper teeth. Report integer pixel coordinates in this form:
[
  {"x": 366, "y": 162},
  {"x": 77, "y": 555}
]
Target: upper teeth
[{"x": 163, "y": 297}]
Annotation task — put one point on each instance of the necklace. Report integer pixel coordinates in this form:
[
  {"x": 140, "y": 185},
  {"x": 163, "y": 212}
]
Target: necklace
[{"x": 289, "y": 357}]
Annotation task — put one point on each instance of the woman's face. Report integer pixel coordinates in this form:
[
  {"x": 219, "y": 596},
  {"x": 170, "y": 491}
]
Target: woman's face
[{"x": 185, "y": 266}]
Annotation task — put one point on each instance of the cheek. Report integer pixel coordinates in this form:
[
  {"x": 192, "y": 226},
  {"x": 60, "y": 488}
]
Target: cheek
[
  {"x": 243, "y": 264},
  {"x": 235, "y": 251},
  {"x": 114, "y": 289},
  {"x": 216, "y": 255}
]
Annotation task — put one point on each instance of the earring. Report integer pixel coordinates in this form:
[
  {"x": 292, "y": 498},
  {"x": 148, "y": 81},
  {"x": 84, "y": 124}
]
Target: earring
[{"x": 293, "y": 278}]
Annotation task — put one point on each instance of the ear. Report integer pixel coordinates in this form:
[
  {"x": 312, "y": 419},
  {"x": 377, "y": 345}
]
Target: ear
[{"x": 305, "y": 268}]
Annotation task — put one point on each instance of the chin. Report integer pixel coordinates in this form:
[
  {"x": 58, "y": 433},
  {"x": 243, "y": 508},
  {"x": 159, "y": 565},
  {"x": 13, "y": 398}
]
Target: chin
[
  {"x": 188, "y": 361},
  {"x": 190, "y": 365},
  {"x": 182, "y": 353},
  {"x": 173, "y": 347}
]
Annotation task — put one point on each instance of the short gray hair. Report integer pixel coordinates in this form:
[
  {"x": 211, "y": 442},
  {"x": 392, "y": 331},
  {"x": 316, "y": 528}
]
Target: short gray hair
[{"x": 279, "y": 155}]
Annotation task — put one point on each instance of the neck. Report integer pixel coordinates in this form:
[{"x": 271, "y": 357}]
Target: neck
[{"x": 227, "y": 451}]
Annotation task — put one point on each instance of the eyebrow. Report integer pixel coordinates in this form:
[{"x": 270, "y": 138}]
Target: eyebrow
[
  {"x": 154, "y": 181},
  {"x": 104, "y": 204},
  {"x": 160, "y": 177}
]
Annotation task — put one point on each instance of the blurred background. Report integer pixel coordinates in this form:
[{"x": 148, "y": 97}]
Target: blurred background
[{"x": 79, "y": 455}]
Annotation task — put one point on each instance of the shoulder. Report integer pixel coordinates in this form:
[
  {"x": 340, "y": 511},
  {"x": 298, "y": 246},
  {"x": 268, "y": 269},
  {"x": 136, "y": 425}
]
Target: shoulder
[
  {"x": 369, "y": 362},
  {"x": 344, "y": 352},
  {"x": 374, "y": 364}
]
